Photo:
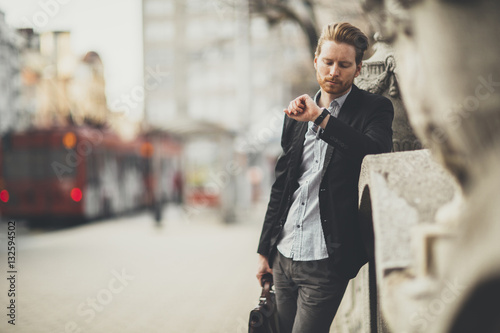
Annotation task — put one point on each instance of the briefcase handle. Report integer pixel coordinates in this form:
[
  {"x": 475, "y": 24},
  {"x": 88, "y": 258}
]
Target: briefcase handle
[
  {"x": 267, "y": 283},
  {"x": 264, "y": 318}
]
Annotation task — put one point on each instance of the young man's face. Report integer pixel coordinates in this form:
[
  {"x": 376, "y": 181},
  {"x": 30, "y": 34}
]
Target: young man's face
[{"x": 336, "y": 67}]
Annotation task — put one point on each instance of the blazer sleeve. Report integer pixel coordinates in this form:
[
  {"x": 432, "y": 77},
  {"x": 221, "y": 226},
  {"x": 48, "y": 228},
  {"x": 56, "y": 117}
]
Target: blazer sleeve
[
  {"x": 375, "y": 138},
  {"x": 277, "y": 190}
]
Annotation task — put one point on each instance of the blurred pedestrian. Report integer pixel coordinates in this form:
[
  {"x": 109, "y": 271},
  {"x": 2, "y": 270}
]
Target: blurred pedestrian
[
  {"x": 178, "y": 187},
  {"x": 311, "y": 239}
]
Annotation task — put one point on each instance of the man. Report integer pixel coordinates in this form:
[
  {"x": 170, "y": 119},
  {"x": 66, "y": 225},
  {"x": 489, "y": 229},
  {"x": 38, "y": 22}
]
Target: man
[{"x": 311, "y": 239}]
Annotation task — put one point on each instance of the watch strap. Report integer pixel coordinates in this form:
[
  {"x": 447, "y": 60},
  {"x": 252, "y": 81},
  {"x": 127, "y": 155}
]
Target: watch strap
[{"x": 322, "y": 116}]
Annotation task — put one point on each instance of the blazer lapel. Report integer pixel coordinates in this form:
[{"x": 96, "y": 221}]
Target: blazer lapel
[
  {"x": 328, "y": 157},
  {"x": 344, "y": 114},
  {"x": 297, "y": 148},
  {"x": 350, "y": 106}
]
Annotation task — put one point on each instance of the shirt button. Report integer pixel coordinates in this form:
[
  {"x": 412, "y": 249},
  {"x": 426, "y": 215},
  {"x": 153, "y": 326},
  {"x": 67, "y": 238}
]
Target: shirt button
[
  {"x": 317, "y": 161},
  {"x": 303, "y": 204},
  {"x": 298, "y": 226}
]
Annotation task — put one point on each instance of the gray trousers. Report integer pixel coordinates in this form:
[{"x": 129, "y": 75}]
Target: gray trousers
[{"x": 308, "y": 294}]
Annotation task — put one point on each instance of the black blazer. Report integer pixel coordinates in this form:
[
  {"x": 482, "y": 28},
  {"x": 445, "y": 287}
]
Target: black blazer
[{"x": 362, "y": 127}]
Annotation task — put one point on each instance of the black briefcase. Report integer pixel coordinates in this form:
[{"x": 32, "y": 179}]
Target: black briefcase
[{"x": 264, "y": 318}]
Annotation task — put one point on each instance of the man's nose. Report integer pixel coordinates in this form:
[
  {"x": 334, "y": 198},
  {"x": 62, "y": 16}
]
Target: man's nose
[{"x": 334, "y": 71}]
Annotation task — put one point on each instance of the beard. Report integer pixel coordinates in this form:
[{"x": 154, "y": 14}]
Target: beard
[{"x": 338, "y": 87}]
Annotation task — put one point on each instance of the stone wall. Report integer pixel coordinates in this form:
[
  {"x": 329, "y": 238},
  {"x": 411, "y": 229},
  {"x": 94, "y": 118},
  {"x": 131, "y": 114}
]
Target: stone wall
[{"x": 436, "y": 265}]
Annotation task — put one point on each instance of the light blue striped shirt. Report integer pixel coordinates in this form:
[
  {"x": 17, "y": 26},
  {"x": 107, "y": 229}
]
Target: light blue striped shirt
[{"x": 302, "y": 237}]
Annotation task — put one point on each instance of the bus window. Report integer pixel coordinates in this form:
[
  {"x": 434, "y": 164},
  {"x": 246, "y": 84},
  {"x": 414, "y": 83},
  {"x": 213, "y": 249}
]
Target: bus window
[
  {"x": 16, "y": 165},
  {"x": 36, "y": 164}
]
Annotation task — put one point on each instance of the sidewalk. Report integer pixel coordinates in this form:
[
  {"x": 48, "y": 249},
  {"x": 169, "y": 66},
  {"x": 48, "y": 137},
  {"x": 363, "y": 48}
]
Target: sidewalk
[{"x": 127, "y": 275}]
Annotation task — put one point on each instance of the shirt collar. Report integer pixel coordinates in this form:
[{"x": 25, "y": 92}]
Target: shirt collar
[{"x": 340, "y": 100}]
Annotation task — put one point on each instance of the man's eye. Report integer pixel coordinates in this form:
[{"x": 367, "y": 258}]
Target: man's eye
[{"x": 328, "y": 63}]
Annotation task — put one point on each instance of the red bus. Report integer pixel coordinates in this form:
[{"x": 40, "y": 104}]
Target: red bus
[{"x": 72, "y": 174}]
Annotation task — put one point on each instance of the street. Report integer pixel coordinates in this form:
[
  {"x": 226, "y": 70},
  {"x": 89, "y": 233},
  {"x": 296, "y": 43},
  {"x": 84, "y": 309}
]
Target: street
[{"x": 125, "y": 274}]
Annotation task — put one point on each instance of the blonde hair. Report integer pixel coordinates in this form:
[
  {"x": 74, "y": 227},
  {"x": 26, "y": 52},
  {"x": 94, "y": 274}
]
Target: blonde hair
[{"x": 344, "y": 33}]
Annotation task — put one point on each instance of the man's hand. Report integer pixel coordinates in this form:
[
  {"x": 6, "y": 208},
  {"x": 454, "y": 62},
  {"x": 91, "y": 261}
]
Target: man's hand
[
  {"x": 303, "y": 108},
  {"x": 263, "y": 268}
]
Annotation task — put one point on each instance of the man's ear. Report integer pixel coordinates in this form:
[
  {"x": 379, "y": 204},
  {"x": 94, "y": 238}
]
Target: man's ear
[
  {"x": 315, "y": 62},
  {"x": 358, "y": 68}
]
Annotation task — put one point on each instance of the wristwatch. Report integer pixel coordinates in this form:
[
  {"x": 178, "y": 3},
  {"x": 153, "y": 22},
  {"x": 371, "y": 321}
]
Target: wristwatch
[{"x": 322, "y": 116}]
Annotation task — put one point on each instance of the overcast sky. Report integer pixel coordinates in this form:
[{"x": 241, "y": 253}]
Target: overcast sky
[{"x": 112, "y": 28}]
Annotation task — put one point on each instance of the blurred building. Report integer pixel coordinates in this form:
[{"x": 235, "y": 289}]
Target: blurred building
[
  {"x": 47, "y": 85},
  {"x": 212, "y": 61},
  {"x": 32, "y": 65},
  {"x": 10, "y": 84},
  {"x": 53, "y": 67}
]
